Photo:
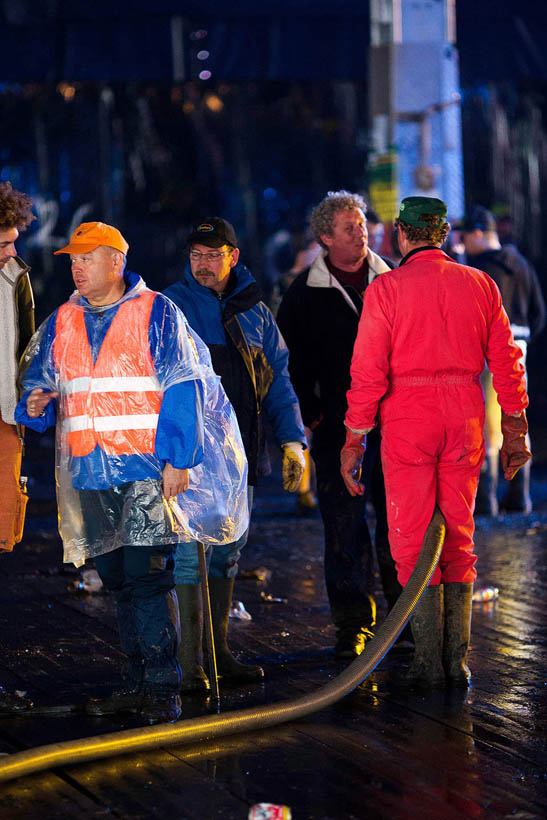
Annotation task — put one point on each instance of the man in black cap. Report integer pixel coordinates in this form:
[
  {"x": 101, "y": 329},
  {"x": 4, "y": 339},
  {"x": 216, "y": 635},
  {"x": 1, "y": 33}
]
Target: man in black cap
[
  {"x": 523, "y": 301},
  {"x": 223, "y": 304},
  {"x": 425, "y": 331}
]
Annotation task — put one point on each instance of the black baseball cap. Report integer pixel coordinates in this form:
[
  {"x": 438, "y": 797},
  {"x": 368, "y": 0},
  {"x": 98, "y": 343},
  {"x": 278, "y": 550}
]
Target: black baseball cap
[
  {"x": 478, "y": 218},
  {"x": 214, "y": 233}
]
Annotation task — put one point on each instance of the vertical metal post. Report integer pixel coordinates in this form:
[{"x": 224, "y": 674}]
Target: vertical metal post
[{"x": 208, "y": 621}]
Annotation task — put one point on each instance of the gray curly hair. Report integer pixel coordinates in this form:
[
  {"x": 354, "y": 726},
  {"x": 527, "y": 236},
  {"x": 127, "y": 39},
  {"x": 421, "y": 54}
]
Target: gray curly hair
[{"x": 322, "y": 216}]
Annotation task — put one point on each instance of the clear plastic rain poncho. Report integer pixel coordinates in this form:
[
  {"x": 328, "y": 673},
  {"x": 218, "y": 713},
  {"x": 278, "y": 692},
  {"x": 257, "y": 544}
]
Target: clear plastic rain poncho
[{"x": 108, "y": 494}]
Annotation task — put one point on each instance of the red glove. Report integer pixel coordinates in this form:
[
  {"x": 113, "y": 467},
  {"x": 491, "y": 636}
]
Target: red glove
[
  {"x": 514, "y": 452},
  {"x": 351, "y": 459}
]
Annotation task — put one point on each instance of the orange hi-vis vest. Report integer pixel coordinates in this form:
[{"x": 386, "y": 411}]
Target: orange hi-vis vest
[{"x": 115, "y": 402}]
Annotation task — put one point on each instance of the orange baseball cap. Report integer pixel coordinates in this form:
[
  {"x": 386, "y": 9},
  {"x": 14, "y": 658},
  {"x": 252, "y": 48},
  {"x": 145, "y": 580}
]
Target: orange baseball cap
[{"x": 90, "y": 235}]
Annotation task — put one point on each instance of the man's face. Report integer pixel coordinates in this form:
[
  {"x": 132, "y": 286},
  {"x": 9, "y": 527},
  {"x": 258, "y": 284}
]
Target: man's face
[
  {"x": 211, "y": 266},
  {"x": 98, "y": 275},
  {"x": 7, "y": 246},
  {"x": 347, "y": 243},
  {"x": 473, "y": 242}
]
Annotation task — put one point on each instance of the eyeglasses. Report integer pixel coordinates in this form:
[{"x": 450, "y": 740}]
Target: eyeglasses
[{"x": 196, "y": 256}]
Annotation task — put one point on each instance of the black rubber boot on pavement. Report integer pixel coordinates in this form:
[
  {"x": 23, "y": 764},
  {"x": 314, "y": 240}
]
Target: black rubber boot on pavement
[
  {"x": 426, "y": 670},
  {"x": 194, "y": 680},
  {"x": 458, "y": 600},
  {"x": 350, "y": 643},
  {"x": 221, "y": 591}
]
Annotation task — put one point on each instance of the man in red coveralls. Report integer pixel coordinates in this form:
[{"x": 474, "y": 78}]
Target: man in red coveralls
[{"x": 425, "y": 332}]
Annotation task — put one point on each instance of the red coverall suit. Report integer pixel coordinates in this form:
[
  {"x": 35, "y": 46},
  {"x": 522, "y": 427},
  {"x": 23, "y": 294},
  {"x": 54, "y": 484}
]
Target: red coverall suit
[{"x": 425, "y": 331}]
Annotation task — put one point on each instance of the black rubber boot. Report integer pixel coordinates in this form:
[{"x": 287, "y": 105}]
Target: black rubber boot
[
  {"x": 351, "y": 642},
  {"x": 194, "y": 680},
  {"x": 457, "y": 631},
  {"x": 221, "y": 590},
  {"x": 426, "y": 669}
]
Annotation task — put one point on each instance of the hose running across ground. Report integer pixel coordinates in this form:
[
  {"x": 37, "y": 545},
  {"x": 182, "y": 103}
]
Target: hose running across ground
[{"x": 210, "y": 727}]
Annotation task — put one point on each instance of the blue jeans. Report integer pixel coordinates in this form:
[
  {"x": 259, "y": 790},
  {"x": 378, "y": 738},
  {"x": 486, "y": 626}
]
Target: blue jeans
[
  {"x": 141, "y": 579},
  {"x": 222, "y": 559}
]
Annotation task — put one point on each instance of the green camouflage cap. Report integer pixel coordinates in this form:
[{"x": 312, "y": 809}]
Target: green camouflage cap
[{"x": 414, "y": 208}]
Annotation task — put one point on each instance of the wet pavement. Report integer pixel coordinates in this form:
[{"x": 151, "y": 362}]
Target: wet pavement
[{"x": 376, "y": 753}]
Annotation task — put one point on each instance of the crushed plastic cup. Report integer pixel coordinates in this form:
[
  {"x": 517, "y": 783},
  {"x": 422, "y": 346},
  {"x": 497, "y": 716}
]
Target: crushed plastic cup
[
  {"x": 269, "y": 811},
  {"x": 268, "y": 598},
  {"x": 237, "y": 610},
  {"x": 486, "y": 594}
]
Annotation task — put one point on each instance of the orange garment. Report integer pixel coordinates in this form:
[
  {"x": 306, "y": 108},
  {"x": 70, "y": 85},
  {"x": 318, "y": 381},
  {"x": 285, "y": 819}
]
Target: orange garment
[
  {"x": 425, "y": 332},
  {"x": 14, "y": 501},
  {"x": 114, "y": 402}
]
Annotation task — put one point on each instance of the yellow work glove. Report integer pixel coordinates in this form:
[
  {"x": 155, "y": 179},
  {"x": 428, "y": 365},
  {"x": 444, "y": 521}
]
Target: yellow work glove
[{"x": 293, "y": 465}]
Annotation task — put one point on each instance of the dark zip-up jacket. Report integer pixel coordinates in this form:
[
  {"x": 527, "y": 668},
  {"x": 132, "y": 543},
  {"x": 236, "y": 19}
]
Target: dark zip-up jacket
[
  {"x": 519, "y": 286},
  {"x": 248, "y": 353},
  {"x": 319, "y": 318}
]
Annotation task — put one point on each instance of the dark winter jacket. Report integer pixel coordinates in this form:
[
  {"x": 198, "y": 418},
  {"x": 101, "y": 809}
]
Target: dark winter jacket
[
  {"x": 318, "y": 318},
  {"x": 520, "y": 290},
  {"x": 249, "y": 355}
]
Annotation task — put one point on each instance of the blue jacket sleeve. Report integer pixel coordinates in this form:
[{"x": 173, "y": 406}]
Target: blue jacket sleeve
[
  {"x": 179, "y": 435},
  {"x": 39, "y": 373},
  {"x": 280, "y": 403}
]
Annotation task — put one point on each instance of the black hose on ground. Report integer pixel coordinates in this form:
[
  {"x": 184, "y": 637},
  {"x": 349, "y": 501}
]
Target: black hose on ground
[{"x": 245, "y": 720}]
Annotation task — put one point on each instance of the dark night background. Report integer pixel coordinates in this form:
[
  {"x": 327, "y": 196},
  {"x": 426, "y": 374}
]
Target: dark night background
[{"x": 94, "y": 126}]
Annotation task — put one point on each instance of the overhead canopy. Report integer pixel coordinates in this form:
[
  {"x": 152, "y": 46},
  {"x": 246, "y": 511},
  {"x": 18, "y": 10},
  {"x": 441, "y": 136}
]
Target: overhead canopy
[{"x": 161, "y": 40}]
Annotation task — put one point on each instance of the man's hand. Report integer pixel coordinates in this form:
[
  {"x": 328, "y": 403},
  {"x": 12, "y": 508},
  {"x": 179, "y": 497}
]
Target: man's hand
[
  {"x": 514, "y": 451},
  {"x": 351, "y": 460},
  {"x": 174, "y": 481},
  {"x": 293, "y": 465},
  {"x": 37, "y": 401}
]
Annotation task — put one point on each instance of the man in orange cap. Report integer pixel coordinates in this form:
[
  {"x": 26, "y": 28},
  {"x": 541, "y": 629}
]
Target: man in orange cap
[
  {"x": 115, "y": 369},
  {"x": 425, "y": 332}
]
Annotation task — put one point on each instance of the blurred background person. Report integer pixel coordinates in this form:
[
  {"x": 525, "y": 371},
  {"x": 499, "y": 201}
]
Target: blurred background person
[{"x": 523, "y": 301}]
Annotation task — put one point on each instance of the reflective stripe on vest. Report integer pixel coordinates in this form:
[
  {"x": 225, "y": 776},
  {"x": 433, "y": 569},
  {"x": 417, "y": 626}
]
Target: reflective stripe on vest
[{"x": 115, "y": 402}]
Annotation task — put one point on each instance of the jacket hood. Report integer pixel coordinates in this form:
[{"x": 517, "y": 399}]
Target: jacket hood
[{"x": 135, "y": 285}]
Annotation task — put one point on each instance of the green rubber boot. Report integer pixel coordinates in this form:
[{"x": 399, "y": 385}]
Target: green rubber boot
[
  {"x": 426, "y": 670},
  {"x": 457, "y": 632},
  {"x": 194, "y": 680},
  {"x": 221, "y": 591}
]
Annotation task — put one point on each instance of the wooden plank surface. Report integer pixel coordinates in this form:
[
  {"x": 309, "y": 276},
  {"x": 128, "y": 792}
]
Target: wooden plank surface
[{"x": 377, "y": 753}]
